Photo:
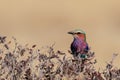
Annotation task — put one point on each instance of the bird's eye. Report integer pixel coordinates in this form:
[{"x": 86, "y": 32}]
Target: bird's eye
[{"x": 78, "y": 33}]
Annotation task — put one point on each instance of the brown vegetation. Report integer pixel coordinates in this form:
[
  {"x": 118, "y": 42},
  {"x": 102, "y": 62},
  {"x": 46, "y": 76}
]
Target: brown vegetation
[{"x": 29, "y": 63}]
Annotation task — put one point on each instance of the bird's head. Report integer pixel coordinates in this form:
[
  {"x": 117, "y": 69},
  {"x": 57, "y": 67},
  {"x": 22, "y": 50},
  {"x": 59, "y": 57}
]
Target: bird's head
[{"x": 78, "y": 33}]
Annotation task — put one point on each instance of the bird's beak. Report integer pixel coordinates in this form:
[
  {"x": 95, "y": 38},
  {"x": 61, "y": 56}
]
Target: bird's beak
[{"x": 70, "y": 32}]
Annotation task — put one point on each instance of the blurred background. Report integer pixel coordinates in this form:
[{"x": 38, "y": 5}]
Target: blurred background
[{"x": 44, "y": 22}]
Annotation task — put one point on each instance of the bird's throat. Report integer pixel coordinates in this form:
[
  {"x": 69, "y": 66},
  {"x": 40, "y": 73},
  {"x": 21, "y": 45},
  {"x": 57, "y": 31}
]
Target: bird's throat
[{"x": 82, "y": 36}]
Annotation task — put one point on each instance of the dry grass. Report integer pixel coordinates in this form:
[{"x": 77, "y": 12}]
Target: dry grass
[{"x": 30, "y": 63}]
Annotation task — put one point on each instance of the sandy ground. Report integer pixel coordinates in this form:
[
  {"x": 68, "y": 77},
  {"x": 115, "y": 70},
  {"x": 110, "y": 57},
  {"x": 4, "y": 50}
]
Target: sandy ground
[{"x": 44, "y": 22}]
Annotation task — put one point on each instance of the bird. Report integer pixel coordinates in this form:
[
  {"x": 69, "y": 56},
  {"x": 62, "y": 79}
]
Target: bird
[{"x": 79, "y": 46}]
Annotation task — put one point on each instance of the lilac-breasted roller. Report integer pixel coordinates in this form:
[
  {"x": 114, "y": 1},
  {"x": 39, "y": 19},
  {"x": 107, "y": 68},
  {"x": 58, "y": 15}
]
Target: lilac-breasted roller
[{"x": 79, "y": 45}]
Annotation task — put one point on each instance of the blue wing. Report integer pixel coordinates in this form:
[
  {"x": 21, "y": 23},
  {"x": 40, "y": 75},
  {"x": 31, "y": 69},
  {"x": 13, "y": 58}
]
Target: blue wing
[{"x": 73, "y": 48}]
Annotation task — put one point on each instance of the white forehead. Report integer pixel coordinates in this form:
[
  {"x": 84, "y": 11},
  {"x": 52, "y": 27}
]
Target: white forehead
[{"x": 78, "y": 31}]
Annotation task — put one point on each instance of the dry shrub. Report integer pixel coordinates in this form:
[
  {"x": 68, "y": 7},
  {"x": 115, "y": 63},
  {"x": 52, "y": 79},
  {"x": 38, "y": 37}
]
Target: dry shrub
[{"x": 30, "y": 63}]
